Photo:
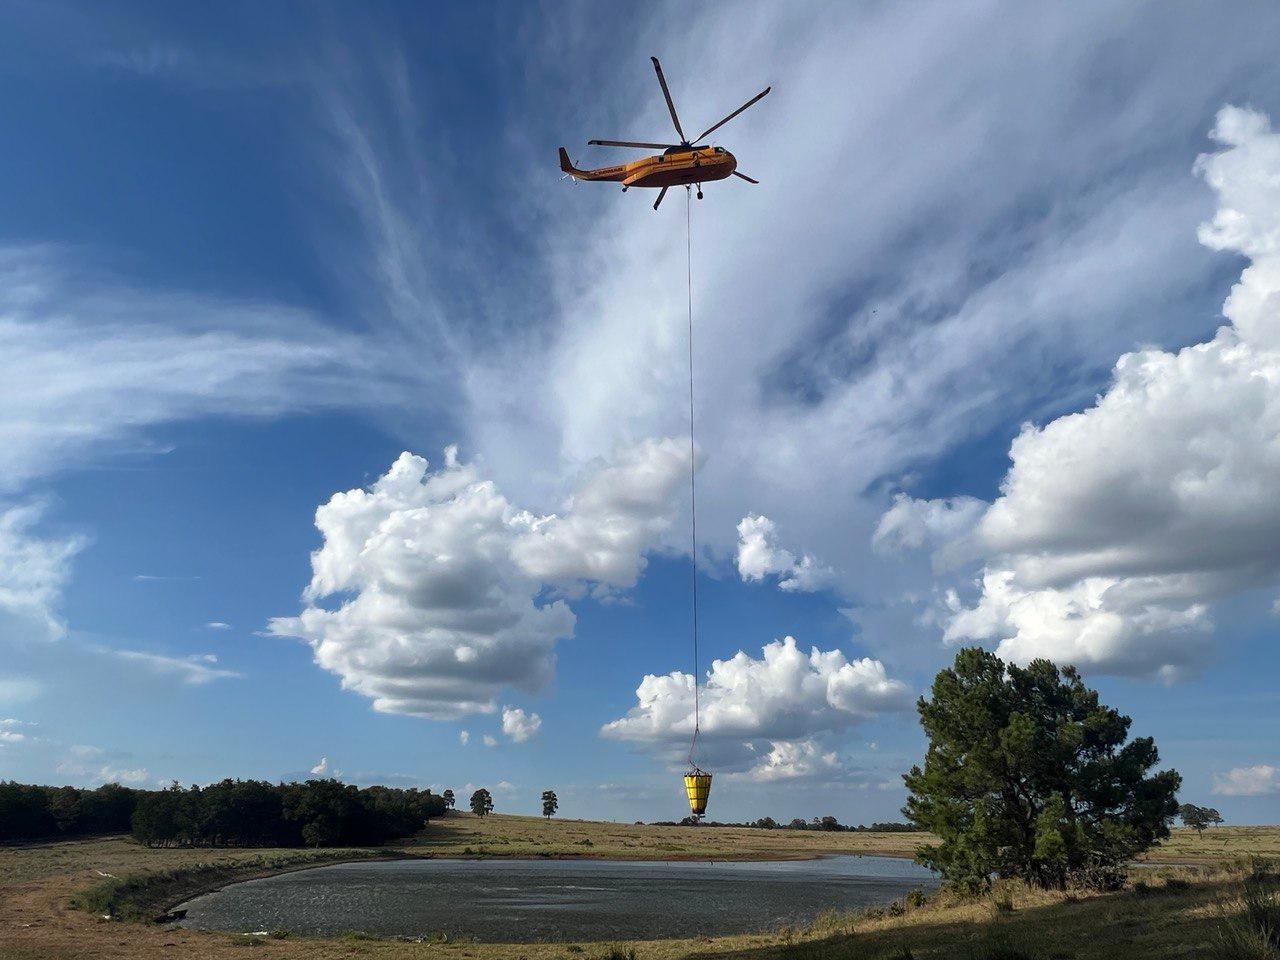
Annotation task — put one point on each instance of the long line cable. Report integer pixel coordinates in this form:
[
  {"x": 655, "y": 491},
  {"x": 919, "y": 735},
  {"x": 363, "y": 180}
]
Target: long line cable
[{"x": 693, "y": 486}]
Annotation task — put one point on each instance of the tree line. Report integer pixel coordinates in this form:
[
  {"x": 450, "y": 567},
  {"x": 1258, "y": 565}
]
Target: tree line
[
  {"x": 828, "y": 822},
  {"x": 29, "y": 812},
  {"x": 230, "y": 813}
]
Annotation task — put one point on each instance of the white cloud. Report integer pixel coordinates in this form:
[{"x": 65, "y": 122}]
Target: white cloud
[
  {"x": 759, "y": 556},
  {"x": 33, "y": 571},
  {"x": 86, "y": 367},
  {"x": 912, "y": 524},
  {"x": 19, "y": 689},
  {"x": 123, "y": 775},
  {"x": 321, "y": 768},
  {"x": 956, "y": 300},
  {"x": 194, "y": 670},
  {"x": 444, "y": 579},
  {"x": 786, "y": 696},
  {"x": 218, "y": 625},
  {"x": 1259, "y": 780},
  {"x": 88, "y": 364},
  {"x": 464, "y": 737},
  {"x": 795, "y": 760},
  {"x": 83, "y": 761},
  {"x": 1117, "y": 528},
  {"x": 518, "y": 725},
  {"x": 489, "y": 741},
  {"x": 11, "y": 731}
]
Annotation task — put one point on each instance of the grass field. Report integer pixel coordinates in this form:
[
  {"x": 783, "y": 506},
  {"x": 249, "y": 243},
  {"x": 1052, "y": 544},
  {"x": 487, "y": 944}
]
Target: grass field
[{"x": 1158, "y": 918}]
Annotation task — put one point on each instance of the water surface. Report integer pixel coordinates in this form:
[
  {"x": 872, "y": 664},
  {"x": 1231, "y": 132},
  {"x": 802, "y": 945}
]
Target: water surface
[{"x": 555, "y": 900}]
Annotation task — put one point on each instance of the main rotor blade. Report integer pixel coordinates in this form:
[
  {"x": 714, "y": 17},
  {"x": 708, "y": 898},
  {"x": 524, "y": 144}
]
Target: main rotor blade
[
  {"x": 631, "y": 143},
  {"x": 745, "y": 177},
  {"x": 661, "y": 193},
  {"x": 667, "y": 93},
  {"x": 710, "y": 130}
]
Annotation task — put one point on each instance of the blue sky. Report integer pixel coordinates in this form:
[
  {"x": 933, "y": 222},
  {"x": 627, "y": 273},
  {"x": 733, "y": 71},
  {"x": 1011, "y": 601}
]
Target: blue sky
[{"x": 965, "y": 375}]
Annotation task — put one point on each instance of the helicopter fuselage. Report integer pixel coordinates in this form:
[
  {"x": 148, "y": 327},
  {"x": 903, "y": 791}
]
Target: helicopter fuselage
[{"x": 679, "y": 166}]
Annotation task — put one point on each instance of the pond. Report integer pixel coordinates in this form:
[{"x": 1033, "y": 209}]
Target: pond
[{"x": 555, "y": 900}]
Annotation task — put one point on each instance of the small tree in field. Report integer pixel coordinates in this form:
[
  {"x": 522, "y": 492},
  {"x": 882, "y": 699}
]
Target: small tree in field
[
  {"x": 482, "y": 803},
  {"x": 1198, "y": 818},
  {"x": 549, "y": 803},
  {"x": 1028, "y": 775},
  {"x": 448, "y": 799}
]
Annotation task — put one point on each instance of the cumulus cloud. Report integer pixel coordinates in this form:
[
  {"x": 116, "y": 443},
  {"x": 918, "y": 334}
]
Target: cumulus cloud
[
  {"x": 1118, "y": 527},
  {"x": 1256, "y": 781},
  {"x": 489, "y": 741},
  {"x": 795, "y": 760},
  {"x": 218, "y": 625},
  {"x": 321, "y": 768},
  {"x": 464, "y": 737},
  {"x": 760, "y": 556},
  {"x": 748, "y": 704},
  {"x": 444, "y": 581},
  {"x": 912, "y": 524},
  {"x": 519, "y": 726}
]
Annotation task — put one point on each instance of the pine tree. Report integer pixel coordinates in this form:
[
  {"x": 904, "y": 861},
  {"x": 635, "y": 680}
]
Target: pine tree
[{"x": 1028, "y": 775}]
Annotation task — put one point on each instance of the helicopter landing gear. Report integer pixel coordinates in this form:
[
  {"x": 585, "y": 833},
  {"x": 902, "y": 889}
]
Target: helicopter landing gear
[
  {"x": 624, "y": 188},
  {"x": 699, "y": 191}
]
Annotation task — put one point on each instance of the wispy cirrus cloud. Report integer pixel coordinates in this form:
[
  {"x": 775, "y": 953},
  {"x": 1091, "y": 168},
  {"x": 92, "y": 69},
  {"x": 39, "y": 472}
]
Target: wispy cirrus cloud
[{"x": 194, "y": 670}]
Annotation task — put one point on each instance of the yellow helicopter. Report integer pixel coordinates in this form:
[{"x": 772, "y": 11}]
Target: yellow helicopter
[{"x": 679, "y": 164}]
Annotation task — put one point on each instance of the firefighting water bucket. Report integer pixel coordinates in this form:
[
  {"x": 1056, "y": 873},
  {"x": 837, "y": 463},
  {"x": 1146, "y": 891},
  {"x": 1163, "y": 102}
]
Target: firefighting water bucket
[{"x": 697, "y": 784}]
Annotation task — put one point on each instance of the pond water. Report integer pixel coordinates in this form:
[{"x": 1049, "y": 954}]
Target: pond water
[{"x": 555, "y": 900}]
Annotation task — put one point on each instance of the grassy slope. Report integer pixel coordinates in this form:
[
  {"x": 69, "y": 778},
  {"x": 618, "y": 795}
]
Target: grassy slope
[
  {"x": 37, "y": 883},
  {"x": 535, "y": 837}
]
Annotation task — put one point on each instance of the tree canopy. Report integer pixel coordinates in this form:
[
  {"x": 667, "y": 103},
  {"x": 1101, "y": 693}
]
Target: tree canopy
[
  {"x": 230, "y": 813},
  {"x": 1028, "y": 775},
  {"x": 549, "y": 803},
  {"x": 482, "y": 803},
  {"x": 1198, "y": 818}
]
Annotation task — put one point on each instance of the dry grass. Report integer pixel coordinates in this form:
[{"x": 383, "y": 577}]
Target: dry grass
[
  {"x": 1218, "y": 844},
  {"x": 1172, "y": 913},
  {"x": 511, "y": 836}
]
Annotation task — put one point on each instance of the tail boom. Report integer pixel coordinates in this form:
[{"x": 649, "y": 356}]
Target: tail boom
[{"x": 603, "y": 173}]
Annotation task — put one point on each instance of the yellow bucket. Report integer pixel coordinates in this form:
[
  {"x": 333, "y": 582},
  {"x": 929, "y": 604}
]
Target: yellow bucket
[{"x": 697, "y": 784}]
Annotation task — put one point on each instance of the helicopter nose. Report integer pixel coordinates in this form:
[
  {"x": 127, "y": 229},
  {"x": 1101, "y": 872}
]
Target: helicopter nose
[{"x": 733, "y": 161}]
